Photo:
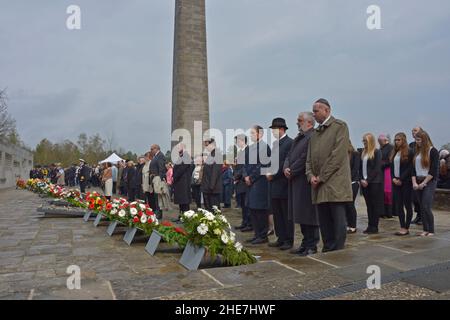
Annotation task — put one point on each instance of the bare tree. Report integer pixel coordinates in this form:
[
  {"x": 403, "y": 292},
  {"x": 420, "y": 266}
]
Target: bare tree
[{"x": 7, "y": 123}]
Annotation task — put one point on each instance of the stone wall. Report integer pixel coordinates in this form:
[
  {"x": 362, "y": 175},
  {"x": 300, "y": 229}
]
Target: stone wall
[
  {"x": 442, "y": 200},
  {"x": 15, "y": 162}
]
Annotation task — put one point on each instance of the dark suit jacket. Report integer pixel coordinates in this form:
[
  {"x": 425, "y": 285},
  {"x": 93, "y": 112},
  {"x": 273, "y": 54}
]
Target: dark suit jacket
[
  {"x": 258, "y": 192},
  {"x": 405, "y": 168},
  {"x": 374, "y": 171},
  {"x": 212, "y": 174},
  {"x": 242, "y": 159},
  {"x": 182, "y": 174},
  {"x": 386, "y": 151},
  {"x": 158, "y": 166},
  {"x": 355, "y": 164},
  {"x": 279, "y": 184}
]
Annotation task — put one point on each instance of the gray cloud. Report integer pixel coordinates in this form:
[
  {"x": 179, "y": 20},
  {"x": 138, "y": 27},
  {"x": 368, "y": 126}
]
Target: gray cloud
[{"x": 266, "y": 59}]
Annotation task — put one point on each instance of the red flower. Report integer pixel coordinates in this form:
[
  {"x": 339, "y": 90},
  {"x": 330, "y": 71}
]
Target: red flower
[
  {"x": 150, "y": 212},
  {"x": 91, "y": 206},
  {"x": 109, "y": 206},
  {"x": 140, "y": 213},
  {"x": 180, "y": 230},
  {"x": 135, "y": 219},
  {"x": 166, "y": 223}
]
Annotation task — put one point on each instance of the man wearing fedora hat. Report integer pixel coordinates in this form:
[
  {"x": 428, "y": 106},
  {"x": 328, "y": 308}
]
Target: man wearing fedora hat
[{"x": 278, "y": 187}]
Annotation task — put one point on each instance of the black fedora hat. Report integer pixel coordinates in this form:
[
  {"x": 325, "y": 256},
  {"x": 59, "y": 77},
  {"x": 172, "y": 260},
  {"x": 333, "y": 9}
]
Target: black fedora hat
[{"x": 278, "y": 123}]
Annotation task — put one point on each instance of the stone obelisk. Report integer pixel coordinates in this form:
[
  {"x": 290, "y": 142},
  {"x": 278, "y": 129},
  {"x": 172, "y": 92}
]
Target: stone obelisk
[{"x": 190, "y": 101}]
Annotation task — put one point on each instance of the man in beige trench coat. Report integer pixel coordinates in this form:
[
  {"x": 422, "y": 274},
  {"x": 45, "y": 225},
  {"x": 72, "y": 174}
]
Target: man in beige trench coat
[{"x": 328, "y": 171}]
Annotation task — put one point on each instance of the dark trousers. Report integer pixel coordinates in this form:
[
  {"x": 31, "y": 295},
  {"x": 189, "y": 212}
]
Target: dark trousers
[
  {"x": 284, "y": 228},
  {"x": 153, "y": 202},
  {"x": 402, "y": 199},
  {"x": 374, "y": 196},
  {"x": 239, "y": 199},
  {"x": 416, "y": 206},
  {"x": 246, "y": 219},
  {"x": 131, "y": 194},
  {"x": 147, "y": 196},
  {"x": 226, "y": 195},
  {"x": 333, "y": 225},
  {"x": 183, "y": 208},
  {"x": 83, "y": 185},
  {"x": 260, "y": 222},
  {"x": 114, "y": 190},
  {"x": 350, "y": 209},
  {"x": 311, "y": 236},
  {"x": 211, "y": 199},
  {"x": 197, "y": 195},
  {"x": 139, "y": 193},
  {"x": 425, "y": 198}
]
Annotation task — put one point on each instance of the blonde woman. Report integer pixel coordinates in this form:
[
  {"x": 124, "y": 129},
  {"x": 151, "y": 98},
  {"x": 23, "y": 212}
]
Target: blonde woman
[{"x": 372, "y": 182}]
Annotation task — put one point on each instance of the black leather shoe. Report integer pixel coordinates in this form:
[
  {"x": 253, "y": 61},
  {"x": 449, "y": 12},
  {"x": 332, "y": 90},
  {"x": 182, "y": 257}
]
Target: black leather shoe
[
  {"x": 370, "y": 231},
  {"x": 260, "y": 241},
  {"x": 298, "y": 250},
  {"x": 308, "y": 252},
  {"x": 239, "y": 227},
  {"x": 159, "y": 215},
  {"x": 275, "y": 244},
  {"x": 250, "y": 240},
  {"x": 286, "y": 246},
  {"x": 247, "y": 229}
]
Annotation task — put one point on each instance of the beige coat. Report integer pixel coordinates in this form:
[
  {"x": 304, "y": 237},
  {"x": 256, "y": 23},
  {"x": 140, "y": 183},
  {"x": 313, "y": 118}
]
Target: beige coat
[
  {"x": 146, "y": 186},
  {"x": 328, "y": 159}
]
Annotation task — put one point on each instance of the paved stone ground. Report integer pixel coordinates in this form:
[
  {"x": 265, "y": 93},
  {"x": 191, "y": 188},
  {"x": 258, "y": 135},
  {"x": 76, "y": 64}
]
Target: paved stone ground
[{"x": 35, "y": 253}]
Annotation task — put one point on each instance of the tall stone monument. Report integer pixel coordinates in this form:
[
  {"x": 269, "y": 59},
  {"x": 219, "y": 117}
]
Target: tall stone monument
[{"x": 190, "y": 101}]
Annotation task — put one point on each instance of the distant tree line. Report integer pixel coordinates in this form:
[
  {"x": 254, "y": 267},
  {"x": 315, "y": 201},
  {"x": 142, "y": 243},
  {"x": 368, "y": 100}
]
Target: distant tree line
[{"x": 90, "y": 148}]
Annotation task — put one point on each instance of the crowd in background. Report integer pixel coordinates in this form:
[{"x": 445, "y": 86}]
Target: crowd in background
[{"x": 316, "y": 184}]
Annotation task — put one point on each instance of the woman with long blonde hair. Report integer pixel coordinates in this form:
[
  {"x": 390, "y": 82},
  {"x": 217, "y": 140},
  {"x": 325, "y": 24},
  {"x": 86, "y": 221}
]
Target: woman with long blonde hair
[
  {"x": 372, "y": 182},
  {"x": 424, "y": 178},
  {"x": 401, "y": 171}
]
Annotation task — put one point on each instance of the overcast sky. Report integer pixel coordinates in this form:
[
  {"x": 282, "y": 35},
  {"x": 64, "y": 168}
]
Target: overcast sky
[{"x": 267, "y": 58}]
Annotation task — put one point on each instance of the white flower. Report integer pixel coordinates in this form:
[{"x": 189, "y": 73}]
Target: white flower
[
  {"x": 133, "y": 211},
  {"x": 202, "y": 229},
  {"x": 215, "y": 209},
  {"x": 232, "y": 236},
  {"x": 122, "y": 213},
  {"x": 113, "y": 211},
  {"x": 189, "y": 214},
  {"x": 144, "y": 218},
  {"x": 222, "y": 217},
  {"x": 217, "y": 232},
  {"x": 238, "y": 246},
  {"x": 224, "y": 238},
  {"x": 142, "y": 206},
  {"x": 209, "y": 216}
]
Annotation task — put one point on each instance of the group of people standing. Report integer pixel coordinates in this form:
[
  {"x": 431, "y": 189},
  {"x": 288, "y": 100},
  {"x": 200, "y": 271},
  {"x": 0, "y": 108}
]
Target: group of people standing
[
  {"x": 321, "y": 175},
  {"x": 312, "y": 180},
  {"x": 145, "y": 180}
]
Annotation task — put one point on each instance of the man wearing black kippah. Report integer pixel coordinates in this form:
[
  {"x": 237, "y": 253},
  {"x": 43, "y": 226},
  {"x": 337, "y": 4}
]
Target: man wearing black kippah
[{"x": 328, "y": 172}]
